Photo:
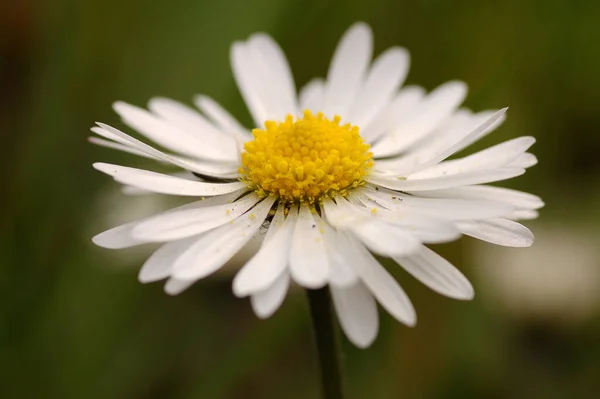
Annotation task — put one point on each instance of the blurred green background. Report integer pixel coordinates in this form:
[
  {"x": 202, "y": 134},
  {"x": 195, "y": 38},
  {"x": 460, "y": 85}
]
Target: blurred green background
[{"x": 74, "y": 321}]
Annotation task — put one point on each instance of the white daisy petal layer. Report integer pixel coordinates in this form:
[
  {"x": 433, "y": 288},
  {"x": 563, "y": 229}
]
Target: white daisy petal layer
[
  {"x": 386, "y": 239},
  {"x": 271, "y": 260},
  {"x": 312, "y": 96},
  {"x": 118, "y": 237},
  {"x": 341, "y": 273},
  {"x": 384, "y": 78},
  {"x": 346, "y": 216},
  {"x": 430, "y": 152},
  {"x": 158, "y": 265},
  {"x": 523, "y": 214},
  {"x": 165, "y": 184},
  {"x": 446, "y": 208},
  {"x": 405, "y": 102},
  {"x": 515, "y": 198},
  {"x": 429, "y": 114},
  {"x": 188, "y": 119},
  {"x": 475, "y": 119},
  {"x": 175, "y": 286},
  {"x": 220, "y": 117},
  {"x": 382, "y": 285},
  {"x": 357, "y": 312},
  {"x": 117, "y": 146},
  {"x": 498, "y": 231},
  {"x": 265, "y": 303},
  {"x": 439, "y": 182},
  {"x": 267, "y": 52},
  {"x": 309, "y": 263},
  {"x": 123, "y": 237},
  {"x": 186, "y": 222},
  {"x": 491, "y": 158},
  {"x": 347, "y": 70},
  {"x": 169, "y": 135},
  {"x": 525, "y": 161},
  {"x": 381, "y": 237},
  {"x": 130, "y": 190},
  {"x": 250, "y": 83},
  {"x": 264, "y": 78},
  {"x": 222, "y": 169},
  {"x": 214, "y": 248},
  {"x": 437, "y": 273}
]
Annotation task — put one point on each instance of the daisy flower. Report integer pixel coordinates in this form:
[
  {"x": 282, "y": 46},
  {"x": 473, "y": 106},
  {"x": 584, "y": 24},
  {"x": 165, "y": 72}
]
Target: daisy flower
[{"x": 351, "y": 168}]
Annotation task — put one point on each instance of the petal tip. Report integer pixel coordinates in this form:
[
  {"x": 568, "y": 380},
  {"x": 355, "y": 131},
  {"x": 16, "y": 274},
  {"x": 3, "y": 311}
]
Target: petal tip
[
  {"x": 362, "y": 344},
  {"x": 99, "y": 240},
  {"x": 261, "y": 313},
  {"x": 119, "y": 106},
  {"x": 464, "y": 296},
  {"x": 411, "y": 322},
  {"x": 360, "y": 26}
]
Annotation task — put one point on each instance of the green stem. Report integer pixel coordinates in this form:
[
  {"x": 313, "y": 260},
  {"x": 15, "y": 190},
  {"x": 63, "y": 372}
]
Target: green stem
[{"x": 327, "y": 339}]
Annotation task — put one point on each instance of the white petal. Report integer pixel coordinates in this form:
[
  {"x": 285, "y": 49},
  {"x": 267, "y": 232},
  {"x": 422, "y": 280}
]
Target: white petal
[
  {"x": 391, "y": 116},
  {"x": 250, "y": 83},
  {"x": 271, "y": 260},
  {"x": 117, "y": 238},
  {"x": 386, "y": 239},
  {"x": 341, "y": 274},
  {"x": 264, "y": 79},
  {"x": 309, "y": 263},
  {"x": 383, "y": 80},
  {"x": 276, "y": 223},
  {"x": 312, "y": 96},
  {"x": 477, "y": 119},
  {"x": 190, "y": 120},
  {"x": 158, "y": 265},
  {"x": 117, "y": 146},
  {"x": 437, "y": 273},
  {"x": 525, "y": 161},
  {"x": 347, "y": 216},
  {"x": 217, "y": 246},
  {"x": 122, "y": 236},
  {"x": 435, "y": 183},
  {"x": 425, "y": 156},
  {"x": 265, "y": 303},
  {"x": 491, "y": 158},
  {"x": 347, "y": 70},
  {"x": 165, "y": 184},
  {"x": 382, "y": 285},
  {"x": 498, "y": 231},
  {"x": 340, "y": 215},
  {"x": 220, "y": 117},
  {"x": 523, "y": 214},
  {"x": 461, "y": 125},
  {"x": 264, "y": 49},
  {"x": 177, "y": 224},
  {"x": 171, "y": 136},
  {"x": 175, "y": 286},
  {"x": 432, "y": 111},
  {"x": 446, "y": 208},
  {"x": 130, "y": 190},
  {"x": 518, "y": 199},
  {"x": 218, "y": 169},
  {"x": 357, "y": 312}
]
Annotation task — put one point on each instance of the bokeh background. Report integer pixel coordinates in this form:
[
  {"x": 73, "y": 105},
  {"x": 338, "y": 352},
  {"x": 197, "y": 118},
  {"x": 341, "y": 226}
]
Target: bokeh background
[{"x": 74, "y": 321}]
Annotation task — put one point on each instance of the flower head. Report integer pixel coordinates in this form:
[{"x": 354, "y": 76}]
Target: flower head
[{"x": 353, "y": 167}]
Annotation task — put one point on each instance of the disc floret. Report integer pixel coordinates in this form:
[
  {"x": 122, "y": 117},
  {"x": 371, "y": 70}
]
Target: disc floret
[{"x": 305, "y": 159}]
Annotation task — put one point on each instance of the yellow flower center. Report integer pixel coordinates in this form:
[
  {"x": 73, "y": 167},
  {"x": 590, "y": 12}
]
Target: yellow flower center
[{"x": 305, "y": 159}]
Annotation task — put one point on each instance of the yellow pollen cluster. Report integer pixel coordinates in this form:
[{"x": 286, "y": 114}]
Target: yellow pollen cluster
[{"x": 306, "y": 159}]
